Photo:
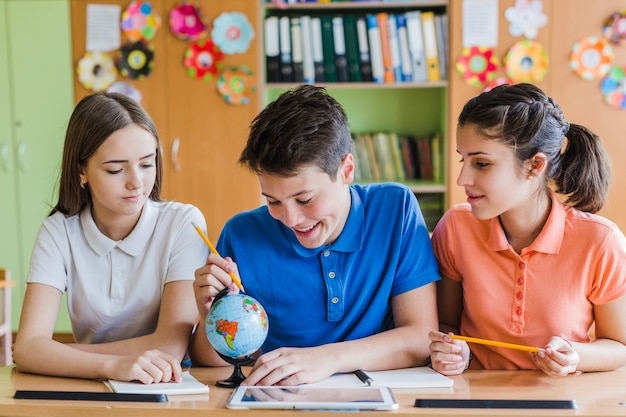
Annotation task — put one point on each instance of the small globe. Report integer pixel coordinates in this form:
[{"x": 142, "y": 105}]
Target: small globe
[{"x": 236, "y": 325}]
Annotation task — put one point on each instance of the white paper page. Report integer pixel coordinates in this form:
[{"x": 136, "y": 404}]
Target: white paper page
[
  {"x": 418, "y": 377},
  {"x": 189, "y": 385},
  {"x": 103, "y": 27},
  {"x": 480, "y": 23}
]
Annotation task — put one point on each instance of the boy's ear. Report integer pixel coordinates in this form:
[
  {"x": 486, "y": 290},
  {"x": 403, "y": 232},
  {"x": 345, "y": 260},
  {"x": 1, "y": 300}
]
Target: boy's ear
[{"x": 346, "y": 170}]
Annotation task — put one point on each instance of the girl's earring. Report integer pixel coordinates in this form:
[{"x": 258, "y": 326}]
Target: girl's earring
[{"x": 82, "y": 185}]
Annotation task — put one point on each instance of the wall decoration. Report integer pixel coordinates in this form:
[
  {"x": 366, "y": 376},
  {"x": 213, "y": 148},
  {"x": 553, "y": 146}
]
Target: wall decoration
[
  {"x": 96, "y": 71},
  {"x": 591, "y": 58},
  {"x": 526, "y": 18},
  {"x": 477, "y": 65},
  {"x": 135, "y": 60},
  {"x": 236, "y": 85},
  {"x": 615, "y": 28},
  {"x": 125, "y": 88},
  {"x": 140, "y": 22},
  {"x": 613, "y": 87},
  {"x": 497, "y": 82},
  {"x": 188, "y": 23},
  {"x": 232, "y": 32},
  {"x": 203, "y": 60},
  {"x": 526, "y": 62}
]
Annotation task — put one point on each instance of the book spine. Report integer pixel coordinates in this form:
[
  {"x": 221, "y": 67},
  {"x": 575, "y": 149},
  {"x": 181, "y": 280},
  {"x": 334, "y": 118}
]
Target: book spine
[
  {"x": 394, "y": 47},
  {"x": 364, "y": 49},
  {"x": 416, "y": 45},
  {"x": 308, "y": 64},
  {"x": 430, "y": 46},
  {"x": 376, "y": 55},
  {"x": 286, "y": 67},
  {"x": 442, "y": 47},
  {"x": 383, "y": 26},
  {"x": 272, "y": 50},
  {"x": 352, "y": 48},
  {"x": 297, "y": 55},
  {"x": 328, "y": 49},
  {"x": 318, "y": 50},
  {"x": 339, "y": 42},
  {"x": 406, "y": 70}
]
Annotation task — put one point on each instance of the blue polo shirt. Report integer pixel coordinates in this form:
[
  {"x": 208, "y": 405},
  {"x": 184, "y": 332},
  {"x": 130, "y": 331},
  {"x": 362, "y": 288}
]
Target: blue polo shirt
[{"x": 340, "y": 291}]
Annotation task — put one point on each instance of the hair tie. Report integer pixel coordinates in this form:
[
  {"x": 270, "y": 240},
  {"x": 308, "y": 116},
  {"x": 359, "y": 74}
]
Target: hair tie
[{"x": 566, "y": 129}]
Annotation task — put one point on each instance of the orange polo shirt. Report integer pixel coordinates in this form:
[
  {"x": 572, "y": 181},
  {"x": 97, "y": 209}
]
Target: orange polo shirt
[{"x": 578, "y": 260}]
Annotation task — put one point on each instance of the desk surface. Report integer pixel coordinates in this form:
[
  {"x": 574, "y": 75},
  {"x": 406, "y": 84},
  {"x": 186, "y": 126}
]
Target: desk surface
[{"x": 597, "y": 394}]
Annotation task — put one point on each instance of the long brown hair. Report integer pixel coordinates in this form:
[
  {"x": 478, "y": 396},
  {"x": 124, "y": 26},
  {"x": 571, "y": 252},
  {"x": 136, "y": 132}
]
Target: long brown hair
[{"x": 94, "y": 119}]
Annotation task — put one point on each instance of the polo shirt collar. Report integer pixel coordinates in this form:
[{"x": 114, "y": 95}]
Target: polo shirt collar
[
  {"x": 548, "y": 241},
  {"x": 133, "y": 244},
  {"x": 351, "y": 237}
]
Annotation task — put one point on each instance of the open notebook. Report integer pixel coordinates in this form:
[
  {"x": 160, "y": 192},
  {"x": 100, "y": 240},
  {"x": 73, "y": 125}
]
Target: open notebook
[
  {"x": 419, "y": 377},
  {"x": 189, "y": 385}
]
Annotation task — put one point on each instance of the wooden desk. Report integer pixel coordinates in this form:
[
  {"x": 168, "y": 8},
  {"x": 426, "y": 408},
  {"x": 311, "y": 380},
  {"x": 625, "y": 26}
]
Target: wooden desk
[{"x": 597, "y": 394}]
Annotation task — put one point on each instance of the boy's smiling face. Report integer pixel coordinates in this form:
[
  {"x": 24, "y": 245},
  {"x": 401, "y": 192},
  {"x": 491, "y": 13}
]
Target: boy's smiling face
[{"x": 313, "y": 206}]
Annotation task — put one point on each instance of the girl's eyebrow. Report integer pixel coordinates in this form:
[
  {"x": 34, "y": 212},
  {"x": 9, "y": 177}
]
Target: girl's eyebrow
[{"x": 119, "y": 161}]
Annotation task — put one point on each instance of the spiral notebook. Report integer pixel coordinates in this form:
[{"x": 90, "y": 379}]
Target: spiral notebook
[
  {"x": 189, "y": 385},
  {"x": 418, "y": 377}
]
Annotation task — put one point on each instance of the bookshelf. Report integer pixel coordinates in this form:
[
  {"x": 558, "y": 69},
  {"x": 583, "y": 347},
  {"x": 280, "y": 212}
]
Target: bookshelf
[{"x": 413, "y": 106}]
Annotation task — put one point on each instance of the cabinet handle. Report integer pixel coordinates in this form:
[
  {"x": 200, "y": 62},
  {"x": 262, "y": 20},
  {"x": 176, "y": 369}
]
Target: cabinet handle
[
  {"x": 175, "y": 162},
  {"x": 21, "y": 161},
  {"x": 4, "y": 157}
]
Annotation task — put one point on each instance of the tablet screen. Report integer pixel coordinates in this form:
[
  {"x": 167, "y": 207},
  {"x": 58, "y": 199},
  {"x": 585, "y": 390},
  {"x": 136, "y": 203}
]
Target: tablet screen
[{"x": 304, "y": 397}]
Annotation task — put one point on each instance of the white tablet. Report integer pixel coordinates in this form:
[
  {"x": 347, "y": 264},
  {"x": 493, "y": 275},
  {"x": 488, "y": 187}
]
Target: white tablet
[{"x": 312, "y": 398}]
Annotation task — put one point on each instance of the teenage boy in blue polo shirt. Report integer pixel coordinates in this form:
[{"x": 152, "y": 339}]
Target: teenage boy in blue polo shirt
[{"x": 345, "y": 272}]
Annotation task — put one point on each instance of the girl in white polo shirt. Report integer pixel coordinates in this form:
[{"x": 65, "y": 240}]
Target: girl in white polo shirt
[{"x": 125, "y": 258}]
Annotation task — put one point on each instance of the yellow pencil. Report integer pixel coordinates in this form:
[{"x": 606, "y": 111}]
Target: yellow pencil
[
  {"x": 494, "y": 343},
  {"x": 213, "y": 250}
]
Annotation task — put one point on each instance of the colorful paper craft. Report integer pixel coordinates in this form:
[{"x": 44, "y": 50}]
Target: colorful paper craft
[
  {"x": 526, "y": 62},
  {"x": 613, "y": 87},
  {"x": 232, "y": 33},
  {"x": 236, "y": 85},
  {"x": 526, "y": 18},
  {"x": 497, "y": 82},
  {"x": 203, "y": 60},
  {"x": 96, "y": 71},
  {"x": 477, "y": 65},
  {"x": 615, "y": 27},
  {"x": 591, "y": 58},
  {"x": 135, "y": 60},
  {"x": 125, "y": 88},
  {"x": 140, "y": 22},
  {"x": 188, "y": 23}
]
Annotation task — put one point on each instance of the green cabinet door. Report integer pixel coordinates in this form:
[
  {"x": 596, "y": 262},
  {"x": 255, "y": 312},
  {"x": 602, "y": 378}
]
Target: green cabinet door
[{"x": 40, "y": 101}]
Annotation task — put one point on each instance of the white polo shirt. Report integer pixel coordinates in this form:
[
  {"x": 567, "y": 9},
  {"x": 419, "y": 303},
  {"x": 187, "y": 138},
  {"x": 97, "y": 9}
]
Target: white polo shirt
[{"x": 114, "y": 288}]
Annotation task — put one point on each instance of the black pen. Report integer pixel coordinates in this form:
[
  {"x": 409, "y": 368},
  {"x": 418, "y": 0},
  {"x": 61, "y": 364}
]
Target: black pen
[{"x": 363, "y": 377}]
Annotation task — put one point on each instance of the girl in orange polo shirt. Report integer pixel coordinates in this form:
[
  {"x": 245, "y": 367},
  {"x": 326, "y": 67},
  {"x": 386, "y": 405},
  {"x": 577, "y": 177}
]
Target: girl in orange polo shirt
[{"x": 520, "y": 264}]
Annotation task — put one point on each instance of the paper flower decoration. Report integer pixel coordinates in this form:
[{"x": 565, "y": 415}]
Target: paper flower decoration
[
  {"x": 232, "y": 32},
  {"x": 613, "y": 87},
  {"x": 139, "y": 21},
  {"x": 236, "y": 85},
  {"x": 135, "y": 60},
  {"x": 203, "y": 60},
  {"x": 188, "y": 23},
  {"x": 477, "y": 65},
  {"x": 125, "y": 88},
  {"x": 526, "y": 62},
  {"x": 96, "y": 71},
  {"x": 615, "y": 27},
  {"x": 526, "y": 18},
  {"x": 591, "y": 58},
  {"x": 496, "y": 83}
]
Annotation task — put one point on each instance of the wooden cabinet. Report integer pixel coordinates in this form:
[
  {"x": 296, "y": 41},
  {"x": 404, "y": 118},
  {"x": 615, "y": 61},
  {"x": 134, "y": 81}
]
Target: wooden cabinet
[
  {"x": 415, "y": 108},
  {"x": 201, "y": 135},
  {"x": 581, "y": 100},
  {"x": 35, "y": 103}
]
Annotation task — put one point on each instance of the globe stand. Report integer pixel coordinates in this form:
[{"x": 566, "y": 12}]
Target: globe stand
[{"x": 237, "y": 377}]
